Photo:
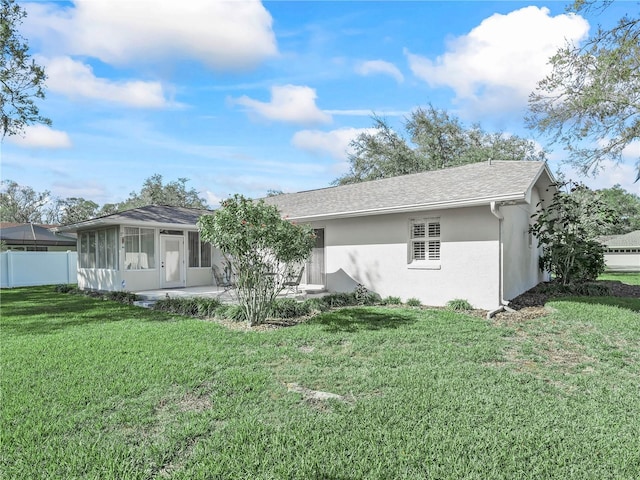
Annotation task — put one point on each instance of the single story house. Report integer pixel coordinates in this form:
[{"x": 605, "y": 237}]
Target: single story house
[
  {"x": 32, "y": 237},
  {"x": 144, "y": 248},
  {"x": 622, "y": 252},
  {"x": 461, "y": 232}
]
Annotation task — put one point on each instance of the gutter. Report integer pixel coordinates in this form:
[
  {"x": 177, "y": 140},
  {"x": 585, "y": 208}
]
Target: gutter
[
  {"x": 511, "y": 198},
  {"x": 503, "y": 304}
]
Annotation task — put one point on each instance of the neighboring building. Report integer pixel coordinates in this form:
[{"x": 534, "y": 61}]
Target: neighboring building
[
  {"x": 622, "y": 252},
  {"x": 144, "y": 248},
  {"x": 31, "y": 237},
  {"x": 461, "y": 232}
]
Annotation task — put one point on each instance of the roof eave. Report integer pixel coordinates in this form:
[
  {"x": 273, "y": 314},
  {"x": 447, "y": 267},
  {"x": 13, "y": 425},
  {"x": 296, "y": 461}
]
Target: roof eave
[{"x": 509, "y": 198}]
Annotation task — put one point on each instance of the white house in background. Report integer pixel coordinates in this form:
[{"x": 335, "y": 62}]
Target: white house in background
[
  {"x": 456, "y": 233},
  {"x": 622, "y": 252},
  {"x": 145, "y": 248}
]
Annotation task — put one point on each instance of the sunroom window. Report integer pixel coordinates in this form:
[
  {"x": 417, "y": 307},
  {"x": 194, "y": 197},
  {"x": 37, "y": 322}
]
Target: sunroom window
[
  {"x": 199, "y": 252},
  {"x": 139, "y": 248}
]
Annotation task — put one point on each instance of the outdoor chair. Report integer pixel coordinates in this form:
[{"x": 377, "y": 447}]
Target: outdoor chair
[
  {"x": 293, "y": 282},
  {"x": 222, "y": 281}
]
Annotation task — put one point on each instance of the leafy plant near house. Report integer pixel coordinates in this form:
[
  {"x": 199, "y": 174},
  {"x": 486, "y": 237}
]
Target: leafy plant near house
[
  {"x": 570, "y": 253},
  {"x": 261, "y": 248},
  {"x": 413, "y": 302},
  {"x": 459, "y": 304}
]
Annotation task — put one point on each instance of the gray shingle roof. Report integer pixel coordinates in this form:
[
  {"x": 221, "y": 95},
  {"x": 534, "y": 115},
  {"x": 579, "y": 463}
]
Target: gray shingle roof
[
  {"x": 478, "y": 183},
  {"x": 32, "y": 234},
  {"x": 151, "y": 214},
  {"x": 631, "y": 239}
]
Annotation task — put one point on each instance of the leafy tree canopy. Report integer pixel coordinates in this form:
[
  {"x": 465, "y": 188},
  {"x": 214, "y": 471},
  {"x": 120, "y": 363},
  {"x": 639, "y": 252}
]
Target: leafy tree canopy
[
  {"x": 155, "y": 192},
  {"x": 22, "y": 204},
  {"x": 436, "y": 140},
  {"x": 590, "y": 102},
  {"x": 21, "y": 79}
]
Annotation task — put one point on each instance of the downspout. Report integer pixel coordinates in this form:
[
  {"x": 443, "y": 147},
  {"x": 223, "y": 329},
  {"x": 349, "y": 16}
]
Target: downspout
[{"x": 495, "y": 210}]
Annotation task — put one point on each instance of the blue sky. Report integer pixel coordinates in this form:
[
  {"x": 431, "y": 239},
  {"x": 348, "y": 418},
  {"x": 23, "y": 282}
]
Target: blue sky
[{"x": 243, "y": 96}]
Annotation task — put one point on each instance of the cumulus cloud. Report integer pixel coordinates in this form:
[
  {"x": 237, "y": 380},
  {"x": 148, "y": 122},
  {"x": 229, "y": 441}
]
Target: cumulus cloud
[
  {"x": 498, "y": 63},
  {"x": 289, "y": 103},
  {"x": 335, "y": 142},
  {"x": 41, "y": 136},
  {"x": 226, "y": 36},
  {"x": 375, "y": 67},
  {"x": 77, "y": 80}
]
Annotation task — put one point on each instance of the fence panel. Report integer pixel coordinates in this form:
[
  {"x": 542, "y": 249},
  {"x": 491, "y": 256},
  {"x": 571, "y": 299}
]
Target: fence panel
[{"x": 23, "y": 269}]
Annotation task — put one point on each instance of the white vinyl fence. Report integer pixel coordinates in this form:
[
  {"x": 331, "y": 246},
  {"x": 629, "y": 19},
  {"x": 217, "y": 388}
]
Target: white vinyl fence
[{"x": 23, "y": 269}]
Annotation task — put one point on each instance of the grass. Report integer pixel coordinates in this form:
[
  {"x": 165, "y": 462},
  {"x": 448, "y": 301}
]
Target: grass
[
  {"x": 629, "y": 278},
  {"x": 94, "y": 389}
]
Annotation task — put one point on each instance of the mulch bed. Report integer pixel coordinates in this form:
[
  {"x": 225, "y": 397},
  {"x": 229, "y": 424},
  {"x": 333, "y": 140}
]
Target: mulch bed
[{"x": 538, "y": 297}]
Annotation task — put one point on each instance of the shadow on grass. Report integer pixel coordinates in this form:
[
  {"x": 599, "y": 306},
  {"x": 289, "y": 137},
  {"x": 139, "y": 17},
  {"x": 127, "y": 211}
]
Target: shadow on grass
[
  {"x": 363, "y": 318},
  {"x": 41, "y": 310}
]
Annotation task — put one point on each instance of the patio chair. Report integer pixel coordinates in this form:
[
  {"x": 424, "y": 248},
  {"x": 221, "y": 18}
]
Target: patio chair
[
  {"x": 222, "y": 281},
  {"x": 293, "y": 282}
]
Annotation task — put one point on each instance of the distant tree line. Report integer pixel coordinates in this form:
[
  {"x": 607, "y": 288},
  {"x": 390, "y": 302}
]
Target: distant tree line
[{"x": 22, "y": 204}]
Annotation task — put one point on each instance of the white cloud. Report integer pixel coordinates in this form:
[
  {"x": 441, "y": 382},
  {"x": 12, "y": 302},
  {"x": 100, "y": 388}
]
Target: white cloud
[
  {"x": 229, "y": 35},
  {"x": 374, "y": 67},
  {"x": 335, "y": 142},
  {"x": 41, "y": 136},
  {"x": 289, "y": 103},
  {"x": 77, "y": 80},
  {"x": 498, "y": 63}
]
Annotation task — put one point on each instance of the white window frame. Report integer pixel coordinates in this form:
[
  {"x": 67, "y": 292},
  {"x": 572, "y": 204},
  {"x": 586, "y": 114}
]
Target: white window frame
[{"x": 424, "y": 248}]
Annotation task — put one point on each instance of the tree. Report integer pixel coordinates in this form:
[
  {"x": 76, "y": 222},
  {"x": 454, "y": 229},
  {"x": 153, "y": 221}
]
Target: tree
[
  {"x": 21, "y": 79},
  {"x": 260, "y": 247},
  {"x": 437, "y": 140},
  {"x": 626, "y": 208},
  {"x": 71, "y": 210},
  {"x": 590, "y": 102},
  {"x": 570, "y": 252},
  {"x": 21, "y": 204},
  {"x": 154, "y": 192}
]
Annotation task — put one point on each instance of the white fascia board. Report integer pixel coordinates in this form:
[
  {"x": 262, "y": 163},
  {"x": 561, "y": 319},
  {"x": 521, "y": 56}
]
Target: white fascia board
[{"x": 512, "y": 197}]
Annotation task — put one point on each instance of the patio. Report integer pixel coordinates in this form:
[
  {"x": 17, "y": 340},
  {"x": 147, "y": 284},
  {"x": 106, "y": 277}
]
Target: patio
[{"x": 223, "y": 294}]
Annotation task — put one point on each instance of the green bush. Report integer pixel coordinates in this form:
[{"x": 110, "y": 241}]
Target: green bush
[
  {"x": 414, "y": 302},
  {"x": 235, "y": 313},
  {"x": 590, "y": 289},
  {"x": 391, "y": 301},
  {"x": 121, "y": 296},
  {"x": 289, "y": 308},
  {"x": 459, "y": 304},
  {"x": 200, "y": 307},
  {"x": 335, "y": 300}
]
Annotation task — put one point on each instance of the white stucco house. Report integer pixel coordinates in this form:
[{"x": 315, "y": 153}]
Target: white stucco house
[
  {"x": 622, "y": 252},
  {"x": 460, "y": 232}
]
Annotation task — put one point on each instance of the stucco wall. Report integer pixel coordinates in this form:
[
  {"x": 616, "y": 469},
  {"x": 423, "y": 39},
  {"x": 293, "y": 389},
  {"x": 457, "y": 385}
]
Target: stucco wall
[
  {"x": 374, "y": 251},
  {"x": 521, "y": 252}
]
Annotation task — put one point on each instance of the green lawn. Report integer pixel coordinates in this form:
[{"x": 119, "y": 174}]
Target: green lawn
[
  {"x": 629, "y": 278},
  {"x": 97, "y": 390}
]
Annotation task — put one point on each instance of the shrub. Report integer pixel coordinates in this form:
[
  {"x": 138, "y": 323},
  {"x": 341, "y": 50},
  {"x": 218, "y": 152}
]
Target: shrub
[
  {"x": 289, "y": 308},
  {"x": 335, "y": 300},
  {"x": 459, "y": 304},
  {"x": 414, "y": 302},
  {"x": 65, "y": 288},
  {"x": 315, "y": 305},
  {"x": 391, "y": 301},
  {"x": 234, "y": 313},
  {"x": 200, "y": 307},
  {"x": 122, "y": 297}
]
